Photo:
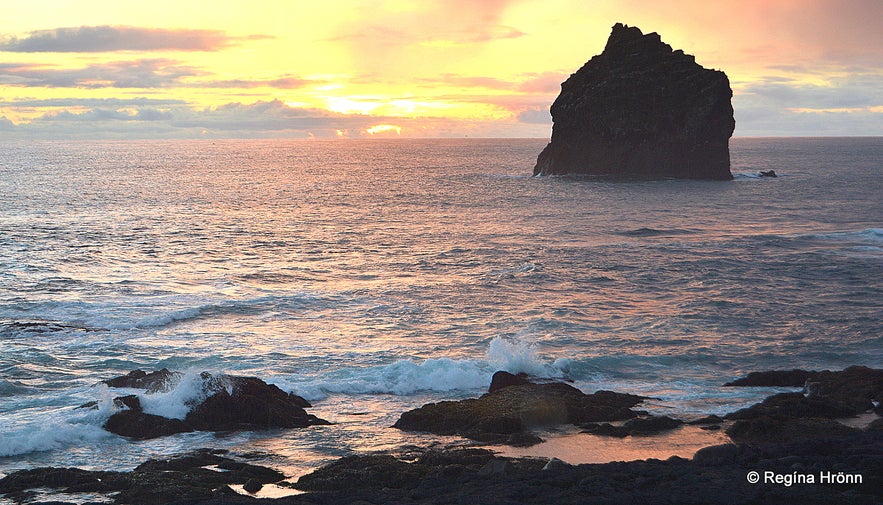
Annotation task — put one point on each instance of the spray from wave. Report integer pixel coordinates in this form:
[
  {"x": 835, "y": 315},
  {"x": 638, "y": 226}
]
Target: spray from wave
[{"x": 408, "y": 377}]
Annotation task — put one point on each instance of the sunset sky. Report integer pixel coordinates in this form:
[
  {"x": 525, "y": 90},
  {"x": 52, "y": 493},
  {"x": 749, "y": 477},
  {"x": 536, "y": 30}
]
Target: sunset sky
[{"x": 284, "y": 68}]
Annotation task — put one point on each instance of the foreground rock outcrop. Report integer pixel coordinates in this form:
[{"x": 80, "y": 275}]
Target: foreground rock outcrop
[
  {"x": 858, "y": 388},
  {"x": 828, "y": 397},
  {"x": 640, "y": 109},
  {"x": 515, "y": 406},
  {"x": 189, "y": 478},
  {"x": 226, "y": 403},
  {"x": 796, "y": 436}
]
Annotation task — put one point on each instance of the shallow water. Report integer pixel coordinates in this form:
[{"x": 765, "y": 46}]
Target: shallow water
[{"x": 374, "y": 276}]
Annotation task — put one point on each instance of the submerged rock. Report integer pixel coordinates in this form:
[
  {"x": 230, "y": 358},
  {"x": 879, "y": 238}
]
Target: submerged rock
[
  {"x": 504, "y": 415},
  {"x": 640, "y": 109},
  {"x": 229, "y": 403}
]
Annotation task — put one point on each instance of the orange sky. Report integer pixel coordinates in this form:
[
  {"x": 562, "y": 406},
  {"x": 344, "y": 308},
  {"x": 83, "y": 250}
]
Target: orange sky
[{"x": 106, "y": 68}]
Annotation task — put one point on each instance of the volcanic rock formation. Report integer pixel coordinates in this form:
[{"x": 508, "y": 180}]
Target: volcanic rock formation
[{"x": 641, "y": 110}]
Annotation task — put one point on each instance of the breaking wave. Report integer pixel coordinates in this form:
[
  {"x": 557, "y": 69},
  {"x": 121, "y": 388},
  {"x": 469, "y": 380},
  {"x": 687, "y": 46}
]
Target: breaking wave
[{"x": 408, "y": 377}]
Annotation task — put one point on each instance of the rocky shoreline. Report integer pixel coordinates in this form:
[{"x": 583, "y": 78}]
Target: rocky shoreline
[{"x": 791, "y": 447}]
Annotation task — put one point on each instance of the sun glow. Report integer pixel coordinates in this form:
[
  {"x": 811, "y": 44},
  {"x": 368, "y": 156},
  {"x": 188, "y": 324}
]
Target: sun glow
[
  {"x": 345, "y": 105},
  {"x": 384, "y": 128},
  {"x": 170, "y": 68}
]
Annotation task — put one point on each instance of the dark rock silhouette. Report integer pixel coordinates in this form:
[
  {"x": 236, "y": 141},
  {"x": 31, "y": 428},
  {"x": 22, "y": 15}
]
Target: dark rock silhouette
[
  {"x": 503, "y": 379},
  {"x": 639, "y": 426},
  {"x": 230, "y": 403},
  {"x": 183, "y": 479},
  {"x": 507, "y": 414},
  {"x": 158, "y": 381},
  {"x": 641, "y": 110},
  {"x": 828, "y": 396},
  {"x": 856, "y": 387}
]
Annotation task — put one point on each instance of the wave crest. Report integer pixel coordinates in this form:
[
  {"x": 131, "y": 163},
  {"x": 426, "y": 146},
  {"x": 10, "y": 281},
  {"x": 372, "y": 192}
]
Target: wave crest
[{"x": 407, "y": 377}]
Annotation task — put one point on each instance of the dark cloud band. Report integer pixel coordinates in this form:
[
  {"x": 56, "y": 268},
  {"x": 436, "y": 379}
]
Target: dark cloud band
[{"x": 94, "y": 39}]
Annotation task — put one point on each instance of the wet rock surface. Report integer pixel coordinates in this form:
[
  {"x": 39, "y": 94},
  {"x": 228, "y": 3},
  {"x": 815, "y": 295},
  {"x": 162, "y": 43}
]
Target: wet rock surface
[
  {"x": 784, "y": 436},
  {"x": 640, "y": 109},
  {"x": 507, "y": 413},
  {"x": 814, "y": 413},
  {"x": 856, "y": 387},
  {"x": 229, "y": 403},
  {"x": 639, "y": 426},
  {"x": 186, "y": 479}
]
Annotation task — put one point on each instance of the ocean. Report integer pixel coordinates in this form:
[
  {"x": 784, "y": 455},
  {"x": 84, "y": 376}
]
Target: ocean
[{"x": 373, "y": 276}]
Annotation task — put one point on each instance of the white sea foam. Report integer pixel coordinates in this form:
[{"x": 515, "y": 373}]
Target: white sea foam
[
  {"x": 182, "y": 395},
  {"x": 57, "y": 429},
  {"x": 50, "y": 436},
  {"x": 167, "y": 319},
  {"x": 874, "y": 235},
  {"x": 407, "y": 377}
]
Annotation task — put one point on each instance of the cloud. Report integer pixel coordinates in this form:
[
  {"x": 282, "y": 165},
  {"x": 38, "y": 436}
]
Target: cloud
[
  {"x": 143, "y": 119},
  {"x": 93, "y": 102},
  {"x": 535, "y": 116},
  {"x": 142, "y": 73},
  {"x": 851, "y": 105},
  {"x": 545, "y": 82},
  {"x": 92, "y": 39},
  {"x": 280, "y": 83},
  {"x": 103, "y": 114},
  {"x": 854, "y": 91},
  {"x": 468, "y": 81},
  {"x": 262, "y": 119}
]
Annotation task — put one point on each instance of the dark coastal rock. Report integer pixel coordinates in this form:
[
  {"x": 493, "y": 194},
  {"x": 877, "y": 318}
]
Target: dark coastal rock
[
  {"x": 354, "y": 472},
  {"x": 794, "y": 405},
  {"x": 502, "y": 379},
  {"x": 856, "y": 387},
  {"x": 640, "y": 109},
  {"x": 797, "y": 416},
  {"x": 383, "y": 471},
  {"x": 140, "y": 426},
  {"x": 767, "y": 173},
  {"x": 131, "y": 402},
  {"x": 773, "y": 378},
  {"x": 639, "y": 426},
  {"x": 184, "y": 479},
  {"x": 495, "y": 417},
  {"x": 231, "y": 403},
  {"x": 248, "y": 403},
  {"x": 716, "y": 476},
  {"x": 770, "y": 430},
  {"x": 158, "y": 381},
  {"x": 704, "y": 421},
  {"x": 252, "y": 486},
  {"x": 717, "y": 455}
]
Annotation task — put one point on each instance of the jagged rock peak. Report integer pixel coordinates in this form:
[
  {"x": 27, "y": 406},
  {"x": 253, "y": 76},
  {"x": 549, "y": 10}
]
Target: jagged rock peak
[
  {"x": 641, "y": 109},
  {"x": 624, "y": 37}
]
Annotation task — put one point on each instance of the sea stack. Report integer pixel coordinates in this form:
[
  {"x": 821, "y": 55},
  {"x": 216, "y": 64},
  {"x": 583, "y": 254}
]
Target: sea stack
[{"x": 641, "y": 110}]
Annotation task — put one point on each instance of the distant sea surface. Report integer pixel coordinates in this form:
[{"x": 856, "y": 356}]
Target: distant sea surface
[{"x": 374, "y": 276}]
